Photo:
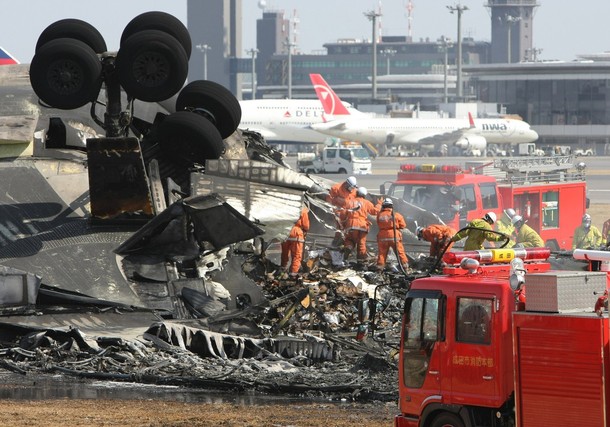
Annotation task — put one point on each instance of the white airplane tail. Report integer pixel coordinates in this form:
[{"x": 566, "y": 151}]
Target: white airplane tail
[{"x": 331, "y": 103}]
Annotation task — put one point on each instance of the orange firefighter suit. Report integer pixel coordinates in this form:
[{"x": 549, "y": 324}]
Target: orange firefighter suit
[
  {"x": 340, "y": 194},
  {"x": 439, "y": 236},
  {"x": 293, "y": 246},
  {"x": 390, "y": 226},
  {"x": 355, "y": 224}
]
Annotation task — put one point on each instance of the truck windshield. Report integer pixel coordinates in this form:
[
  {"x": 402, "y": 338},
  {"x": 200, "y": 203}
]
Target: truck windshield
[
  {"x": 445, "y": 200},
  {"x": 360, "y": 154}
]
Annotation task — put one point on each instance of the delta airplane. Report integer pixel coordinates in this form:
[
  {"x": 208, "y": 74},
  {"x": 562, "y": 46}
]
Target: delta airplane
[
  {"x": 290, "y": 120},
  {"x": 463, "y": 133}
]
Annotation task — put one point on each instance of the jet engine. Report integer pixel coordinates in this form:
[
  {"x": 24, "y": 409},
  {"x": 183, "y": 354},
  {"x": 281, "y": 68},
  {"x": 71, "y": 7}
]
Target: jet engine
[{"x": 472, "y": 142}]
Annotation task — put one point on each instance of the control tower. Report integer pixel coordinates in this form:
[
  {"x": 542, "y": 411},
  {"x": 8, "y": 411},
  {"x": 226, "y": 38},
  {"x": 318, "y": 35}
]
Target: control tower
[{"x": 512, "y": 27}]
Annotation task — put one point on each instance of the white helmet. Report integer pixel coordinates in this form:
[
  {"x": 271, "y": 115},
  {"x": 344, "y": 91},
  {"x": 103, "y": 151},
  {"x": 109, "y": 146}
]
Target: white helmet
[
  {"x": 362, "y": 191},
  {"x": 490, "y": 217},
  {"x": 419, "y": 232},
  {"x": 351, "y": 182},
  {"x": 586, "y": 220},
  {"x": 510, "y": 212},
  {"x": 387, "y": 202}
]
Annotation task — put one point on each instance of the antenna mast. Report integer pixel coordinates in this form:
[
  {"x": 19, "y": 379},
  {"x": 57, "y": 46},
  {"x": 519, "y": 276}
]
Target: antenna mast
[{"x": 409, "y": 21}]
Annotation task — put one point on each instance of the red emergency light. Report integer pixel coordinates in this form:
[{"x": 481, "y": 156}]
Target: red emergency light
[
  {"x": 494, "y": 256},
  {"x": 450, "y": 169},
  {"x": 408, "y": 168}
]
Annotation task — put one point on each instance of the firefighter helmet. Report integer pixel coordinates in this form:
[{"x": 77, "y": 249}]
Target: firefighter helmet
[
  {"x": 419, "y": 232},
  {"x": 490, "y": 217},
  {"x": 351, "y": 182},
  {"x": 387, "y": 203},
  {"x": 517, "y": 221},
  {"x": 362, "y": 191},
  {"x": 586, "y": 220},
  {"x": 510, "y": 212}
]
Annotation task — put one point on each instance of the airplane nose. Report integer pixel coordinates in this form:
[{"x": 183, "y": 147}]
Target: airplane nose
[{"x": 533, "y": 134}]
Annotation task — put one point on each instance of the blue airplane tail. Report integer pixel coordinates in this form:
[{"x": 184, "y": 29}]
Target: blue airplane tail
[{"x": 6, "y": 58}]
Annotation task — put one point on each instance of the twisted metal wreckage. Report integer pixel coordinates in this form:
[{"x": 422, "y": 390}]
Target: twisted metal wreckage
[{"x": 190, "y": 295}]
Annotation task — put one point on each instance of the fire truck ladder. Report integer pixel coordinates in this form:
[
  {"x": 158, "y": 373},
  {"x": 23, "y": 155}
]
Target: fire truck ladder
[{"x": 539, "y": 168}]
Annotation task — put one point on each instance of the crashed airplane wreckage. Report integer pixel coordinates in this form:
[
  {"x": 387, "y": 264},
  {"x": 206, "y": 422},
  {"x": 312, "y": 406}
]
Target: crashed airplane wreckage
[{"x": 150, "y": 254}]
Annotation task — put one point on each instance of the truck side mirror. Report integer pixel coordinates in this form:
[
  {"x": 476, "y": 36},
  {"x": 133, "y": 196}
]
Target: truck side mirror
[{"x": 382, "y": 189}]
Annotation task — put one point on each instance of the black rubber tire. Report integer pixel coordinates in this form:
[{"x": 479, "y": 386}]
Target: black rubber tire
[
  {"x": 447, "y": 419},
  {"x": 66, "y": 74},
  {"x": 188, "y": 138},
  {"x": 73, "y": 29},
  {"x": 216, "y": 100},
  {"x": 159, "y": 21},
  {"x": 152, "y": 66},
  {"x": 342, "y": 171}
]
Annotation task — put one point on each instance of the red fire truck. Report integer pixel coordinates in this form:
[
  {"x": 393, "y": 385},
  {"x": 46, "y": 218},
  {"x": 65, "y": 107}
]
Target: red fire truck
[
  {"x": 550, "y": 193},
  {"x": 475, "y": 352}
]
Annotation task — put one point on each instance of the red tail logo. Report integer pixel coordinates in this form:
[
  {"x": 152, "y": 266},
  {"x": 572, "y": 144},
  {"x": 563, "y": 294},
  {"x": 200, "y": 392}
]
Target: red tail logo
[{"x": 330, "y": 101}]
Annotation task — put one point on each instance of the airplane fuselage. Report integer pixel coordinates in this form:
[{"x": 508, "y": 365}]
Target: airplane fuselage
[
  {"x": 286, "y": 120},
  {"x": 415, "y": 131}
]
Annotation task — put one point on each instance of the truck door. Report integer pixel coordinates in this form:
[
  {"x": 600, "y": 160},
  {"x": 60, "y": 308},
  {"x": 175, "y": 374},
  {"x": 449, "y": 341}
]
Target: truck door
[
  {"x": 473, "y": 362},
  {"x": 331, "y": 160},
  {"x": 420, "y": 368}
]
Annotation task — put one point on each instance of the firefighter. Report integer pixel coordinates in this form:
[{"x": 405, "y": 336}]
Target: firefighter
[
  {"x": 526, "y": 235},
  {"x": 355, "y": 223},
  {"x": 294, "y": 244},
  {"x": 342, "y": 192},
  {"x": 504, "y": 225},
  {"x": 606, "y": 232},
  {"x": 438, "y": 235},
  {"x": 339, "y": 196},
  {"x": 477, "y": 231},
  {"x": 390, "y": 225},
  {"x": 586, "y": 236}
]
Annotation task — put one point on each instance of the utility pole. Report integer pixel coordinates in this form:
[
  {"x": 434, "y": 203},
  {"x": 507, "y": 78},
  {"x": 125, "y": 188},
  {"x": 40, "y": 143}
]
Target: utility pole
[
  {"x": 459, "y": 9},
  {"x": 204, "y": 48},
  {"x": 253, "y": 53},
  {"x": 388, "y": 52},
  {"x": 445, "y": 45},
  {"x": 372, "y": 16},
  {"x": 510, "y": 20}
]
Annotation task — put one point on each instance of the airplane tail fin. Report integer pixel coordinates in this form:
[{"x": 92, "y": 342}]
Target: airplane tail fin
[
  {"x": 6, "y": 58},
  {"x": 471, "y": 120},
  {"x": 330, "y": 101}
]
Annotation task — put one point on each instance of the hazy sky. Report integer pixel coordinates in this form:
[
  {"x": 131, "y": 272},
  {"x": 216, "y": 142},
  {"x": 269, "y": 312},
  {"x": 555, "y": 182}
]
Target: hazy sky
[{"x": 562, "y": 28}]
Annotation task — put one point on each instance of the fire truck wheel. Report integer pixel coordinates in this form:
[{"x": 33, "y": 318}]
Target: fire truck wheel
[
  {"x": 214, "y": 101},
  {"x": 66, "y": 73},
  {"x": 187, "y": 138},
  {"x": 152, "y": 66},
  {"x": 159, "y": 21},
  {"x": 73, "y": 29},
  {"x": 447, "y": 419}
]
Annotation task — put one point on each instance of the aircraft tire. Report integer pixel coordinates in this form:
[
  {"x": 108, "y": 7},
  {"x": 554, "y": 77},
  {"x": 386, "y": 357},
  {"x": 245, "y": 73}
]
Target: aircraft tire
[
  {"x": 73, "y": 29},
  {"x": 214, "y": 101},
  {"x": 152, "y": 66},
  {"x": 66, "y": 73},
  {"x": 188, "y": 138},
  {"x": 159, "y": 21}
]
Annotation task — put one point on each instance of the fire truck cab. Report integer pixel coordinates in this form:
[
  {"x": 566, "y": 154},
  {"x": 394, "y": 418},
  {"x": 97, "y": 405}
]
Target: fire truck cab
[
  {"x": 475, "y": 352},
  {"x": 548, "y": 192}
]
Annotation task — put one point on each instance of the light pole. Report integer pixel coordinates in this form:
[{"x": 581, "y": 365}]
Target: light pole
[
  {"x": 253, "y": 53},
  {"x": 289, "y": 45},
  {"x": 204, "y": 48},
  {"x": 372, "y": 16},
  {"x": 445, "y": 45},
  {"x": 388, "y": 52},
  {"x": 510, "y": 20},
  {"x": 459, "y": 9}
]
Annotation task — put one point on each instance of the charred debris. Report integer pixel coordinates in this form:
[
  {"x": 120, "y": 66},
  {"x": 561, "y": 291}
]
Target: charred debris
[{"x": 151, "y": 253}]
